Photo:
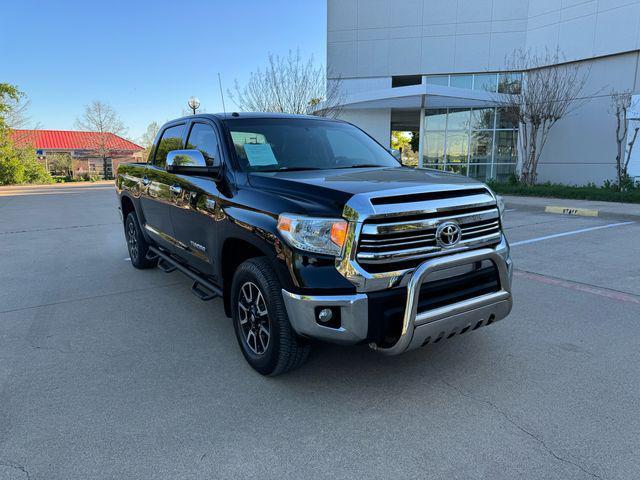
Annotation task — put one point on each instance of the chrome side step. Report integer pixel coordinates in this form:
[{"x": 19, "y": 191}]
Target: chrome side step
[{"x": 201, "y": 288}]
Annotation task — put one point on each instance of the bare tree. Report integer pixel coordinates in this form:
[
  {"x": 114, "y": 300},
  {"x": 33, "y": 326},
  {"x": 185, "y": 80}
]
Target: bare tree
[
  {"x": 100, "y": 118},
  {"x": 147, "y": 138},
  {"x": 621, "y": 103},
  {"x": 61, "y": 163},
  {"x": 17, "y": 118},
  {"x": 289, "y": 84},
  {"x": 546, "y": 95}
]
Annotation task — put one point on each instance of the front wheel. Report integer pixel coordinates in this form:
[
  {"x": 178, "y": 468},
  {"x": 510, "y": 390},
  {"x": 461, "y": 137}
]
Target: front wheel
[{"x": 266, "y": 338}]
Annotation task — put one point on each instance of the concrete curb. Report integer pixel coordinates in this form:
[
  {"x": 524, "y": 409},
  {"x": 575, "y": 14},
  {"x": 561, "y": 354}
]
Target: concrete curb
[{"x": 604, "y": 210}]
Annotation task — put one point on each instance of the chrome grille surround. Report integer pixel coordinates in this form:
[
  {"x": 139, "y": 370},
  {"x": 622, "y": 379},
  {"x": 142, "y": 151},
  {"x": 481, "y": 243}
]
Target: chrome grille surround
[
  {"x": 415, "y": 240},
  {"x": 368, "y": 220}
]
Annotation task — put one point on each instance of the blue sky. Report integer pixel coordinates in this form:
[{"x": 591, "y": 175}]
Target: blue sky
[{"x": 145, "y": 58}]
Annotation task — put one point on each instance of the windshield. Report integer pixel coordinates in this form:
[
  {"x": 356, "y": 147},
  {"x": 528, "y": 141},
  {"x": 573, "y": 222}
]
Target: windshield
[{"x": 275, "y": 144}]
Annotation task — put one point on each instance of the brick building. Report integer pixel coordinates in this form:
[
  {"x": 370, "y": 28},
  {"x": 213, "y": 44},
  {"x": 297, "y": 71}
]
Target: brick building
[{"x": 83, "y": 147}]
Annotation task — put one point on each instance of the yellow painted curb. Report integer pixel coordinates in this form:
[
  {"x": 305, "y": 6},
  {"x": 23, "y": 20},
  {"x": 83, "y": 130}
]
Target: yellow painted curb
[{"x": 583, "y": 212}]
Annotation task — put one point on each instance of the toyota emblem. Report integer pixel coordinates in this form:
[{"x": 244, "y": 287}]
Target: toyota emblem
[{"x": 448, "y": 234}]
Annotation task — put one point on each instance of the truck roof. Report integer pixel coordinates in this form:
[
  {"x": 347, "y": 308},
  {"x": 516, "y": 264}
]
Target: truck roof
[
  {"x": 232, "y": 115},
  {"x": 229, "y": 115}
]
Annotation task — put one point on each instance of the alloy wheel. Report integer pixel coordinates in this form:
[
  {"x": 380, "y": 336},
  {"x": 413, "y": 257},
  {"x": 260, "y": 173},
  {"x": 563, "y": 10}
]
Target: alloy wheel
[
  {"x": 254, "y": 318},
  {"x": 132, "y": 241}
]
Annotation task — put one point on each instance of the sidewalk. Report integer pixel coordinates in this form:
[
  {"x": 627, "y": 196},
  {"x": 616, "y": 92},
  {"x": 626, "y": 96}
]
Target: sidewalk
[
  {"x": 57, "y": 185},
  {"x": 54, "y": 188},
  {"x": 612, "y": 210}
]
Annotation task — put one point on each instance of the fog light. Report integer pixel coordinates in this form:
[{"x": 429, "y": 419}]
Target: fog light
[
  {"x": 325, "y": 315},
  {"x": 328, "y": 316}
]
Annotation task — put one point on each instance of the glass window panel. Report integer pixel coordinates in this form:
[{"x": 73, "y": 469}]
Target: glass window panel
[
  {"x": 204, "y": 138},
  {"x": 171, "y": 140},
  {"x": 460, "y": 169},
  {"x": 506, "y": 118},
  {"x": 481, "y": 146},
  {"x": 481, "y": 172},
  {"x": 434, "y": 147},
  {"x": 458, "y": 119},
  {"x": 487, "y": 82},
  {"x": 457, "y": 146},
  {"x": 482, "y": 118},
  {"x": 405, "y": 80},
  {"x": 509, "y": 82},
  {"x": 438, "y": 80},
  {"x": 506, "y": 146},
  {"x": 461, "y": 81},
  {"x": 435, "y": 119},
  {"x": 410, "y": 161},
  {"x": 436, "y": 166},
  {"x": 503, "y": 172}
]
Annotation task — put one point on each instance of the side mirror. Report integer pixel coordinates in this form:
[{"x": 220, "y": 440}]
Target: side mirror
[
  {"x": 397, "y": 154},
  {"x": 189, "y": 162}
]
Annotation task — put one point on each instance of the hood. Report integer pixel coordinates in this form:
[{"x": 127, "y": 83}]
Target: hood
[{"x": 336, "y": 186}]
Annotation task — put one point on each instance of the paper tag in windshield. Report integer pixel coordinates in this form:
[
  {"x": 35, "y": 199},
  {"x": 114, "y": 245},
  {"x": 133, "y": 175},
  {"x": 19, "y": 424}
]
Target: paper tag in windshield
[{"x": 259, "y": 154}]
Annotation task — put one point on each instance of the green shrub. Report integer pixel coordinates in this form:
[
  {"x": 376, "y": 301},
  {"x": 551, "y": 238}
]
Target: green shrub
[
  {"x": 20, "y": 165},
  {"x": 11, "y": 170},
  {"x": 609, "y": 192},
  {"x": 34, "y": 172}
]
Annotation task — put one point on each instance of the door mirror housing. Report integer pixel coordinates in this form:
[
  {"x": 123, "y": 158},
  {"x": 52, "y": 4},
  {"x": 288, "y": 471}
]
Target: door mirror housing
[{"x": 189, "y": 162}]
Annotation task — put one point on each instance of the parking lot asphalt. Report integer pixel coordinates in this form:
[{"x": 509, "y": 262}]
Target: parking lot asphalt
[{"x": 111, "y": 372}]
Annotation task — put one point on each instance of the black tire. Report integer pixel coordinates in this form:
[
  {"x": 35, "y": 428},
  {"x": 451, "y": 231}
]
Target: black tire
[
  {"x": 137, "y": 245},
  {"x": 284, "y": 350}
]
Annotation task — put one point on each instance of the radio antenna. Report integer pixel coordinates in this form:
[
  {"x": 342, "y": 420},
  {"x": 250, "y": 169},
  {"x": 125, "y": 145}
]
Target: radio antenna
[{"x": 224, "y": 110}]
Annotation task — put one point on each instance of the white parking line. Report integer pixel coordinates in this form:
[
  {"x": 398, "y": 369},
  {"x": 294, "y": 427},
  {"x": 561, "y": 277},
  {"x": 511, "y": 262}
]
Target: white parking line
[
  {"x": 582, "y": 230},
  {"x": 579, "y": 287}
]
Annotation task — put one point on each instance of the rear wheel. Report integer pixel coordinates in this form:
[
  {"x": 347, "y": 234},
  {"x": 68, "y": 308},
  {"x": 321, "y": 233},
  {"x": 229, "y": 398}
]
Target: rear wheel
[
  {"x": 266, "y": 338},
  {"x": 136, "y": 243}
]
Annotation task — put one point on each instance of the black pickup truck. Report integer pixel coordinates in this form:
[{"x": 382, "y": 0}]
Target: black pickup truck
[{"x": 307, "y": 228}]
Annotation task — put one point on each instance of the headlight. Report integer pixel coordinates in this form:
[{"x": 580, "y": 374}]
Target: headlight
[
  {"x": 501, "y": 206},
  {"x": 499, "y": 203},
  {"x": 313, "y": 234}
]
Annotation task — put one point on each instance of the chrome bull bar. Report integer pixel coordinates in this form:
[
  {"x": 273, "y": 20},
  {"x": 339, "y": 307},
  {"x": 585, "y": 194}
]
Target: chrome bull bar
[{"x": 419, "y": 327}]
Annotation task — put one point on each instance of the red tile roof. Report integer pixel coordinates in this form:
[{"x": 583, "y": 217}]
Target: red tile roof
[{"x": 70, "y": 140}]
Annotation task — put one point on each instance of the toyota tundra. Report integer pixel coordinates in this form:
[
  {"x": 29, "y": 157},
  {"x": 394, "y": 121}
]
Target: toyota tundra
[{"x": 308, "y": 229}]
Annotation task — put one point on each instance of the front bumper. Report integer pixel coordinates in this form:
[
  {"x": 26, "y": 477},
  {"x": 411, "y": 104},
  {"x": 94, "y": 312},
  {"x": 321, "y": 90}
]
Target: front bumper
[{"x": 417, "y": 327}]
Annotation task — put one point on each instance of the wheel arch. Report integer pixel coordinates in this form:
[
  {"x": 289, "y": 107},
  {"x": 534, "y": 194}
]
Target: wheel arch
[
  {"x": 235, "y": 251},
  {"x": 130, "y": 204},
  {"x": 127, "y": 206}
]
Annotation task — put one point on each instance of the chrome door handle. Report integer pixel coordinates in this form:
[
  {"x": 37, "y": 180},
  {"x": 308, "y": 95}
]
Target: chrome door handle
[
  {"x": 177, "y": 189},
  {"x": 146, "y": 181}
]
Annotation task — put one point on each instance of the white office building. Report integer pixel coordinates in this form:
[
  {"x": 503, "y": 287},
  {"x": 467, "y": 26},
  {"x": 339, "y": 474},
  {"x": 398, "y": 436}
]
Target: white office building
[{"x": 437, "y": 67}]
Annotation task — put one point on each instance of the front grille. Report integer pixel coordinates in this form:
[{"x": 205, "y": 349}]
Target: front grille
[{"x": 404, "y": 242}]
